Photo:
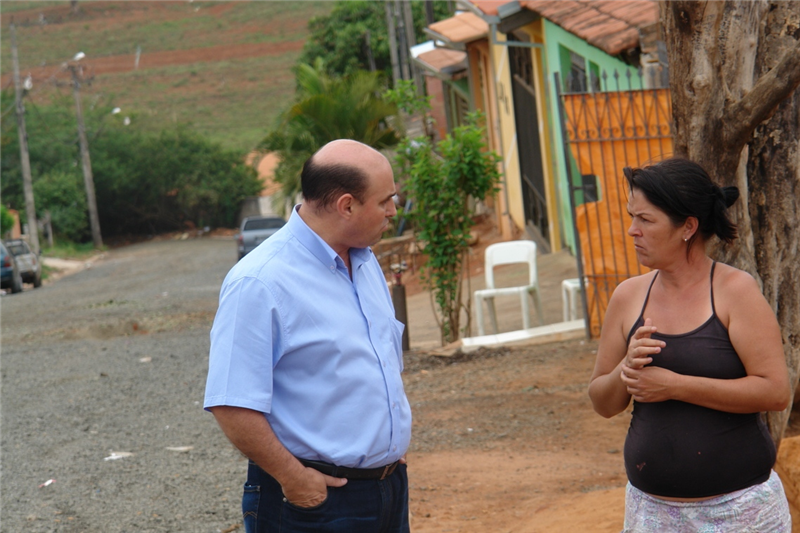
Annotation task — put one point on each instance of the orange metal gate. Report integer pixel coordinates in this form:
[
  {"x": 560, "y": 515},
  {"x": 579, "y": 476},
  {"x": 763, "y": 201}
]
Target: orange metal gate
[{"x": 604, "y": 132}]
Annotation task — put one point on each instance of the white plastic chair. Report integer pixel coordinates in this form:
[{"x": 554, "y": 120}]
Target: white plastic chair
[
  {"x": 504, "y": 253},
  {"x": 570, "y": 288}
]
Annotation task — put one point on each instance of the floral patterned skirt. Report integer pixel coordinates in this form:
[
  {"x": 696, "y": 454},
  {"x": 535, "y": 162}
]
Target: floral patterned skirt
[{"x": 758, "y": 509}]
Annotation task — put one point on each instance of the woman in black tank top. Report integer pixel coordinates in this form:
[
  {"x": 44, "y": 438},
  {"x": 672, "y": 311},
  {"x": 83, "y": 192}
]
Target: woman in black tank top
[{"x": 698, "y": 349}]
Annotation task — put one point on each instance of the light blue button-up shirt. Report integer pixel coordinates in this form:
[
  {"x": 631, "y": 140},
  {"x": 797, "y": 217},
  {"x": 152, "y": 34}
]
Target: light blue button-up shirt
[{"x": 318, "y": 354}]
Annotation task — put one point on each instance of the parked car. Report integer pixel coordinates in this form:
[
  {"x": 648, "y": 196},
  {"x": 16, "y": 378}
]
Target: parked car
[
  {"x": 255, "y": 230},
  {"x": 10, "y": 276},
  {"x": 30, "y": 268}
]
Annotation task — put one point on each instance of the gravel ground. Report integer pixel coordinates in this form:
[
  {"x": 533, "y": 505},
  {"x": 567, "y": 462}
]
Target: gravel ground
[{"x": 113, "y": 359}]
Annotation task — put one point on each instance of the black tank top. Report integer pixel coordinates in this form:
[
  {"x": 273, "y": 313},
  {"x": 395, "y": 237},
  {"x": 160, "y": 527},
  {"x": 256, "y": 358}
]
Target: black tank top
[{"x": 681, "y": 450}]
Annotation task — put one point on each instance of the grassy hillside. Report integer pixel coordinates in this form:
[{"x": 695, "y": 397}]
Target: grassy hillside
[{"x": 223, "y": 67}]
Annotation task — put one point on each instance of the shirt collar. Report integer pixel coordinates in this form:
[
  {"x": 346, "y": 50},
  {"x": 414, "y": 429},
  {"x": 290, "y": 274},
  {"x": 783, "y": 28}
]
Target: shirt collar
[{"x": 321, "y": 249}]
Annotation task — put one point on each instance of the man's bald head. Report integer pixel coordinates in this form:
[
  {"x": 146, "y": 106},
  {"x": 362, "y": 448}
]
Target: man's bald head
[
  {"x": 340, "y": 167},
  {"x": 346, "y": 151}
]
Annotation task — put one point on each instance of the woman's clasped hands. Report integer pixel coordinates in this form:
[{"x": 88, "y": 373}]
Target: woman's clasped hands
[{"x": 645, "y": 383}]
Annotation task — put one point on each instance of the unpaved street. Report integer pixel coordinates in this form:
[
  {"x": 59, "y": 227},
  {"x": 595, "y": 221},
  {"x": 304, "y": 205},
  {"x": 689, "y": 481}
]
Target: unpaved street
[
  {"x": 103, "y": 373},
  {"x": 113, "y": 359}
]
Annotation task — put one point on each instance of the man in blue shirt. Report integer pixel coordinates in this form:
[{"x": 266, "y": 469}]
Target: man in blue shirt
[{"x": 306, "y": 355}]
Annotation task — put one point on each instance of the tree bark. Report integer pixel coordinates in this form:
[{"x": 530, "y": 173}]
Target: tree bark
[
  {"x": 773, "y": 168},
  {"x": 734, "y": 73}
]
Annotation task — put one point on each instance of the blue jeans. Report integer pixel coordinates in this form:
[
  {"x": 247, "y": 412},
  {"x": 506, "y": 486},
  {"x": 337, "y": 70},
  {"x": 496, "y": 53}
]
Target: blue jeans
[{"x": 361, "y": 506}]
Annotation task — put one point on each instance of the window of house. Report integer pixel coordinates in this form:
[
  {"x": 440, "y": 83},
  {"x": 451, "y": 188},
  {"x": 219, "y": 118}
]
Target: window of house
[{"x": 578, "y": 74}]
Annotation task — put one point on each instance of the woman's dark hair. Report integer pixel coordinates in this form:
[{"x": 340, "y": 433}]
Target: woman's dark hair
[
  {"x": 323, "y": 184},
  {"x": 682, "y": 189}
]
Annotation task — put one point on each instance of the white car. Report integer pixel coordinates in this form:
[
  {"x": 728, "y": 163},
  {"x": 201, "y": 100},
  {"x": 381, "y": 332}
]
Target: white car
[{"x": 28, "y": 262}]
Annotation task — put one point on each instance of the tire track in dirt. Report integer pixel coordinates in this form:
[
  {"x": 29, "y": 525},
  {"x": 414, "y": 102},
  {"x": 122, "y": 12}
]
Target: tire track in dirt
[{"x": 125, "y": 63}]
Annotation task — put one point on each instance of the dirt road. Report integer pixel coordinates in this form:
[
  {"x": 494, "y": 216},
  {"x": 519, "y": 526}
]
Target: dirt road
[{"x": 103, "y": 430}]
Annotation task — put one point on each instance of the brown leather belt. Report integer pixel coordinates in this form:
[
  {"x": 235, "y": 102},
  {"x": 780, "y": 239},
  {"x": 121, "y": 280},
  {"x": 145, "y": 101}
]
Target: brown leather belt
[{"x": 382, "y": 472}]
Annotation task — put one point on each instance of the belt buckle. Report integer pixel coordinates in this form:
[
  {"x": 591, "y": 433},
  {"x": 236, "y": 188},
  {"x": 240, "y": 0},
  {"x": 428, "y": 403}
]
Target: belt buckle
[{"x": 388, "y": 470}]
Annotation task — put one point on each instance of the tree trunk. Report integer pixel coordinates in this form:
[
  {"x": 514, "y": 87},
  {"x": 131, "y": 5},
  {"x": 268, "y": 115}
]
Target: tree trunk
[
  {"x": 732, "y": 65},
  {"x": 773, "y": 168}
]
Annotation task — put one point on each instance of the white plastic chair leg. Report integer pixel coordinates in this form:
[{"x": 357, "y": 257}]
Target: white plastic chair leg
[
  {"x": 492, "y": 313},
  {"x": 479, "y": 313},
  {"x": 538, "y": 301},
  {"x": 526, "y": 311}
]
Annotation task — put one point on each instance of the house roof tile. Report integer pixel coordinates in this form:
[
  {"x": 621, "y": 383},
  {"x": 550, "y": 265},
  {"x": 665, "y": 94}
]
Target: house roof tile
[
  {"x": 611, "y": 25},
  {"x": 461, "y": 28},
  {"x": 444, "y": 60}
]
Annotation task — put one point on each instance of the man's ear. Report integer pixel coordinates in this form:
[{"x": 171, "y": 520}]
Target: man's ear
[{"x": 345, "y": 204}]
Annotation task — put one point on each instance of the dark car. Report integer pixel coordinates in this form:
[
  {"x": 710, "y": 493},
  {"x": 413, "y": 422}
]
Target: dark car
[
  {"x": 256, "y": 230},
  {"x": 10, "y": 276},
  {"x": 30, "y": 268}
]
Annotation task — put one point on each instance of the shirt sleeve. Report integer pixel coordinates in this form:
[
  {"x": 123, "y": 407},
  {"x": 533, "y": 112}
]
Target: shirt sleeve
[{"x": 245, "y": 341}]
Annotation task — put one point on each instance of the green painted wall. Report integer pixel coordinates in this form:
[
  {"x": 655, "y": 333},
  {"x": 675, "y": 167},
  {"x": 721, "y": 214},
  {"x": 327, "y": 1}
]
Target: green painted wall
[{"x": 558, "y": 43}]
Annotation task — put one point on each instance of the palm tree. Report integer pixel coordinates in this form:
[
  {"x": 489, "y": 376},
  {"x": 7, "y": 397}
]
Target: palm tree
[{"x": 327, "y": 108}]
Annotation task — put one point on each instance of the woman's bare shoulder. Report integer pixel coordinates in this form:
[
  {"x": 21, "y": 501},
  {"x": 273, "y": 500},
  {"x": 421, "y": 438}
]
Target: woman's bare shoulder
[
  {"x": 734, "y": 280},
  {"x": 634, "y": 286},
  {"x": 736, "y": 292},
  {"x": 630, "y": 294},
  {"x": 626, "y": 304}
]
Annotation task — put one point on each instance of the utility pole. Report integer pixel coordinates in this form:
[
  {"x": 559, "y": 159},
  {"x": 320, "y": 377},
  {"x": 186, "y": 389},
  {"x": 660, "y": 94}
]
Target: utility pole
[
  {"x": 370, "y": 57},
  {"x": 88, "y": 179},
  {"x": 429, "y": 13},
  {"x": 25, "y": 161},
  {"x": 402, "y": 39},
  {"x": 411, "y": 40},
  {"x": 391, "y": 25},
  {"x": 408, "y": 22}
]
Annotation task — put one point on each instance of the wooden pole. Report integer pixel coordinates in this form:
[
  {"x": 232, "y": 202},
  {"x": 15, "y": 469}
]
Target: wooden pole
[
  {"x": 88, "y": 179},
  {"x": 391, "y": 26},
  {"x": 25, "y": 161},
  {"x": 402, "y": 41},
  {"x": 370, "y": 57},
  {"x": 411, "y": 40}
]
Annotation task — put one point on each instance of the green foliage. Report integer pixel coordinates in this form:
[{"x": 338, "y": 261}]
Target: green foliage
[
  {"x": 144, "y": 183},
  {"x": 340, "y": 38},
  {"x": 69, "y": 250},
  {"x": 440, "y": 182},
  {"x": 6, "y": 220},
  {"x": 178, "y": 179},
  {"x": 52, "y": 142},
  {"x": 404, "y": 96},
  {"x": 328, "y": 108},
  {"x": 63, "y": 194}
]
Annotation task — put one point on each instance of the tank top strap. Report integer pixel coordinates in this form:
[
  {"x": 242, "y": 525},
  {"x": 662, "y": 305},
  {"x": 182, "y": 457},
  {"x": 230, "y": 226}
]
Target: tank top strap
[
  {"x": 711, "y": 276},
  {"x": 640, "y": 321},
  {"x": 647, "y": 297}
]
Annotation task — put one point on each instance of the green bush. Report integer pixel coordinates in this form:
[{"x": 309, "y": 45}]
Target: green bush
[
  {"x": 63, "y": 194},
  {"x": 144, "y": 183},
  {"x": 178, "y": 179},
  {"x": 6, "y": 220},
  {"x": 339, "y": 39},
  {"x": 440, "y": 179}
]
